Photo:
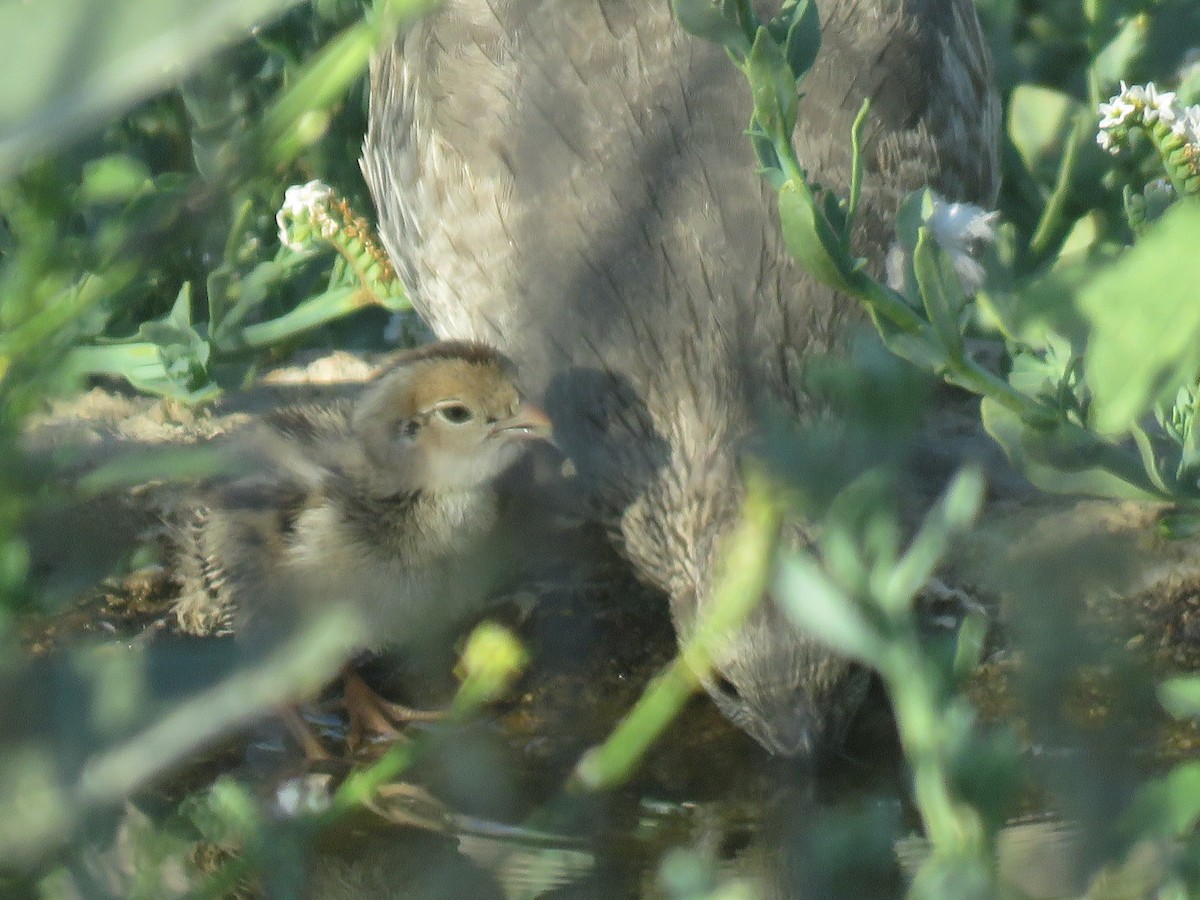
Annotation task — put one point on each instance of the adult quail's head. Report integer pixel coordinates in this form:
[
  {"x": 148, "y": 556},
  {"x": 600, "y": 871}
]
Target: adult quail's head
[
  {"x": 575, "y": 187},
  {"x": 445, "y": 417},
  {"x": 787, "y": 692}
]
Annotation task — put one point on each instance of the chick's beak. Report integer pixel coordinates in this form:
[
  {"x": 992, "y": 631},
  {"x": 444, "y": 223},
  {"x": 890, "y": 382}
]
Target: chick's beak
[{"x": 529, "y": 423}]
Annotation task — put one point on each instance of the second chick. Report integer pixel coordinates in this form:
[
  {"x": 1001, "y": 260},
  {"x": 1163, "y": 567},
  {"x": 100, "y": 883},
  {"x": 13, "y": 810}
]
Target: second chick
[{"x": 386, "y": 504}]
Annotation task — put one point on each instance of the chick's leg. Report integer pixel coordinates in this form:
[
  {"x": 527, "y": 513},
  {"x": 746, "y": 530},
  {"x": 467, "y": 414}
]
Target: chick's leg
[
  {"x": 371, "y": 714},
  {"x": 314, "y": 751}
]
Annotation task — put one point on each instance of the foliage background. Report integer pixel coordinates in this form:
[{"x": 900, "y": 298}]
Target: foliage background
[{"x": 138, "y": 240}]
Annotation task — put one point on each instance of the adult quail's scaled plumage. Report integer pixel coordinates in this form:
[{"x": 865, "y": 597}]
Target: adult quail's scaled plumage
[
  {"x": 385, "y": 502},
  {"x": 572, "y": 183}
]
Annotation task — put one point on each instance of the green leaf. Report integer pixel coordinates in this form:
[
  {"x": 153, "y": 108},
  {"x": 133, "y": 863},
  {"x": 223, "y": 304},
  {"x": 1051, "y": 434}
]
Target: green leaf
[
  {"x": 803, "y": 40},
  {"x": 1016, "y": 438},
  {"x": 813, "y": 603},
  {"x": 1081, "y": 240},
  {"x": 1116, "y": 61},
  {"x": 1150, "y": 459},
  {"x": 302, "y": 113},
  {"x": 1168, "y": 806},
  {"x": 172, "y": 463},
  {"x": 941, "y": 291},
  {"x": 919, "y": 349},
  {"x": 1181, "y": 696},
  {"x": 1145, "y": 339},
  {"x": 1040, "y": 122},
  {"x": 856, "y": 167},
  {"x": 773, "y": 87},
  {"x": 68, "y": 64},
  {"x": 113, "y": 179},
  {"x": 167, "y": 356},
  {"x": 35, "y": 806},
  {"x": 713, "y": 21},
  {"x": 954, "y": 511},
  {"x": 969, "y": 644},
  {"x": 809, "y": 237},
  {"x": 910, "y": 218},
  {"x": 1179, "y": 526}
]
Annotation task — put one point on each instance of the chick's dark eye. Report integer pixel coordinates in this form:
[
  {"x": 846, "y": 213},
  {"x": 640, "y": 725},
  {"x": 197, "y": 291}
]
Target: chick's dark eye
[
  {"x": 455, "y": 413},
  {"x": 727, "y": 687}
]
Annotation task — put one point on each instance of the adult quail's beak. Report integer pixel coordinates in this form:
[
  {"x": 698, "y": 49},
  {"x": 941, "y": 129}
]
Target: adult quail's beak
[{"x": 528, "y": 424}]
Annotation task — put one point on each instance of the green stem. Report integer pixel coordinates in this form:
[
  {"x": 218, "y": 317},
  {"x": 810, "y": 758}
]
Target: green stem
[
  {"x": 308, "y": 315},
  {"x": 953, "y": 828},
  {"x": 1051, "y": 227},
  {"x": 745, "y": 569},
  {"x": 612, "y": 761},
  {"x": 1118, "y": 461},
  {"x": 114, "y": 359}
]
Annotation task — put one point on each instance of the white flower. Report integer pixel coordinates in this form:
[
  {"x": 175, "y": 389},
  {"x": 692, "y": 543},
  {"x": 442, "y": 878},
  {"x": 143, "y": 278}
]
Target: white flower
[
  {"x": 1187, "y": 125},
  {"x": 1153, "y": 106},
  {"x": 1118, "y": 108},
  {"x": 1159, "y": 186},
  {"x": 309, "y": 205},
  {"x": 962, "y": 229},
  {"x": 1159, "y": 105}
]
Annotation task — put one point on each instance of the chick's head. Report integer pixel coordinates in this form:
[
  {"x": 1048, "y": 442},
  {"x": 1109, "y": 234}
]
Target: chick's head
[{"x": 446, "y": 417}]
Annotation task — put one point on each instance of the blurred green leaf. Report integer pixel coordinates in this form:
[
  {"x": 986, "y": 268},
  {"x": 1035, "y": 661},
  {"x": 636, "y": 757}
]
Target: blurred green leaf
[
  {"x": 34, "y": 807},
  {"x": 491, "y": 661},
  {"x": 1179, "y": 526},
  {"x": 969, "y": 643},
  {"x": 112, "y": 179},
  {"x": 1060, "y": 468},
  {"x": 713, "y": 20},
  {"x": 1116, "y": 62},
  {"x": 169, "y": 463},
  {"x": 954, "y": 511},
  {"x": 1168, "y": 806},
  {"x": 1039, "y": 122},
  {"x": 773, "y": 87},
  {"x": 1145, "y": 339},
  {"x": 1181, "y": 696},
  {"x": 69, "y": 63},
  {"x": 301, "y": 114},
  {"x": 818, "y": 607}
]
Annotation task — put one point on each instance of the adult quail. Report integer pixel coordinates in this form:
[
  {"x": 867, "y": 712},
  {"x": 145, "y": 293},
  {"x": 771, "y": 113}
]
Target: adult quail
[
  {"x": 572, "y": 183},
  {"x": 384, "y": 503}
]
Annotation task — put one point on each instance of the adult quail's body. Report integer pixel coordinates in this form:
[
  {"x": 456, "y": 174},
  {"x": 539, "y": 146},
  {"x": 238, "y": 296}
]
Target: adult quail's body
[
  {"x": 384, "y": 503},
  {"x": 572, "y": 183}
]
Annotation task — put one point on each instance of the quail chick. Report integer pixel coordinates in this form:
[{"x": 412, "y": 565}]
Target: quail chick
[
  {"x": 575, "y": 186},
  {"x": 384, "y": 503}
]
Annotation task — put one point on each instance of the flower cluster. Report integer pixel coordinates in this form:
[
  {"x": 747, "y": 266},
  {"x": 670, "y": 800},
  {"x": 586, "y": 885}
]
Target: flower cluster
[
  {"x": 305, "y": 214},
  {"x": 1146, "y": 106}
]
